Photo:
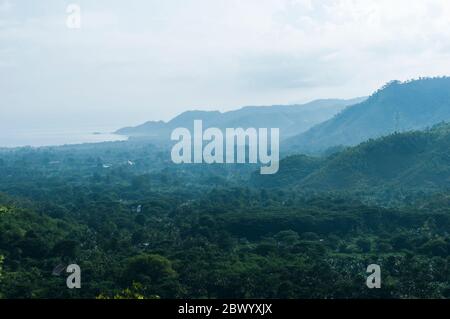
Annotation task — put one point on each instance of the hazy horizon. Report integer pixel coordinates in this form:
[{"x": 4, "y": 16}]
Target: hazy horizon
[
  {"x": 134, "y": 62},
  {"x": 314, "y": 163}
]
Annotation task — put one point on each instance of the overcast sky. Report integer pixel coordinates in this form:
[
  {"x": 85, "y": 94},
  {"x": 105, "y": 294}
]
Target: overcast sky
[{"x": 138, "y": 60}]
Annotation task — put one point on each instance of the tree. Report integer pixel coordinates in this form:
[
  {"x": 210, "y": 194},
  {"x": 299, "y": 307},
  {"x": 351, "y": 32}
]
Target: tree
[
  {"x": 154, "y": 273},
  {"x": 135, "y": 292},
  {"x": 435, "y": 247},
  {"x": 65, "y": 248},
  {"x": 287, "y": 238},
  {"x": 364, "y": 244}
]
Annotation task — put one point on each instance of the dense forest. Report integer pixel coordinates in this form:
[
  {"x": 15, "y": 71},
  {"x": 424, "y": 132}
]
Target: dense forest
[
  {"x": 410, "y": 162},
  {"x": 142, "y": 227},
  {"x": 396, "y": 107}
]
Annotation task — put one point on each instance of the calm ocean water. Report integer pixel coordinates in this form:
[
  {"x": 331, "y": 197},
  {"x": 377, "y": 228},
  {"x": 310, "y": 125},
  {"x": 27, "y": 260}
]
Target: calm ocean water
[{"x": 55, "y": 137}]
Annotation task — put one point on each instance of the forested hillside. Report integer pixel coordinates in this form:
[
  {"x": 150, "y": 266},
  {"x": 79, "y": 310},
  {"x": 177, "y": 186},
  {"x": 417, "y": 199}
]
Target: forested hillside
[
  {"x": 291, "y": 119},
  {"x": 397, "y": 107},
  {"x": 417, "y": 160},
  {"x": 140, "y": 227}
]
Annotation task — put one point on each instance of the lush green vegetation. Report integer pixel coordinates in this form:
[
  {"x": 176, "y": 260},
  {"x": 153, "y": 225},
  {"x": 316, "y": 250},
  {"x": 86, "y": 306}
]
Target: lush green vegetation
[
  {"x": 397, "y": 107},
  {"x": 140, "y": 227},
  {"x": 396, "y": 168}
]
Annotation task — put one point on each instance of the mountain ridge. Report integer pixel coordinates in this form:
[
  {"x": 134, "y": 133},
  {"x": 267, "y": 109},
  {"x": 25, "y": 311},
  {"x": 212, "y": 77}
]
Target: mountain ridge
[
  {"x": 291, "y": 119},
  {"x": 414, "y": 159},
  {"x": 397, "y": 106}
]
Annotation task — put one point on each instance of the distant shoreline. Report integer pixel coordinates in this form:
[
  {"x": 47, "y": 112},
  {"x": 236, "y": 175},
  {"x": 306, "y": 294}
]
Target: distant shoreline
[{"x": 56, "y": 137}]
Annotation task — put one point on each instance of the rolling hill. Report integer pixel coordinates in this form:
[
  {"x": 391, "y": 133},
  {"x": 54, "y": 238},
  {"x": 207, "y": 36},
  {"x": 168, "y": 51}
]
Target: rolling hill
[
  {"x": 410, "y": 160},
  {"x": 397, "y": 107},
  {"x": 291, "y": 119}
]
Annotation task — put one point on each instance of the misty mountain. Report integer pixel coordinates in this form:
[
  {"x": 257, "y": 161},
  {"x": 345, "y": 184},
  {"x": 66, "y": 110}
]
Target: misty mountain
[
  {"x": 397, "y": 107},
  {"x": 291, "y": 119},
  {"x": 417, "y": 159}
]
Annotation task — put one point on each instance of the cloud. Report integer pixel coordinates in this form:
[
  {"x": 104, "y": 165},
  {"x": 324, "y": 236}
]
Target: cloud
[
  {"x": 152, "y": 59},
  {"x": 5, "y": 6}
]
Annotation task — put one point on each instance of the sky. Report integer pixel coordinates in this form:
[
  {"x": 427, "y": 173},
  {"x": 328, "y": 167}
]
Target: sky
[{"x": 139, "y": 60}]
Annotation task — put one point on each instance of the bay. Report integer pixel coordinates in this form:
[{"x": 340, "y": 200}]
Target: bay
[{"x": 56, "y": 137}]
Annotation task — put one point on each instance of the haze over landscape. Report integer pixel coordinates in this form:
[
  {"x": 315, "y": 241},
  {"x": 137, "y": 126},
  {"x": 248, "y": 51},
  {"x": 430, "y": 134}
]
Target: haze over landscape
[
  {"x": 355, "y": 95},
  {"x": 134, "y": 62}
]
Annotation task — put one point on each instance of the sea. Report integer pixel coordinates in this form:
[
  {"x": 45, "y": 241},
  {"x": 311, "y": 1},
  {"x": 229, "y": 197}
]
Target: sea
[{"x": 11, "y": 138}]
